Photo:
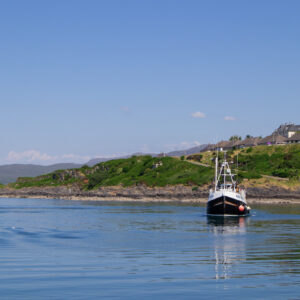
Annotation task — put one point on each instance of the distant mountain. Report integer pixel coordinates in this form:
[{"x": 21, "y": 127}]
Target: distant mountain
[
  {"x": 189, "y": 151},
  {"x": 10, "y": 173}
]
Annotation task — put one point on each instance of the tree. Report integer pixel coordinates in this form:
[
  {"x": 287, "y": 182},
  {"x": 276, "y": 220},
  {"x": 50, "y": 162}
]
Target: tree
[
  {"x": 248, "y": 136},
  {"x": 235, "y": 138}
]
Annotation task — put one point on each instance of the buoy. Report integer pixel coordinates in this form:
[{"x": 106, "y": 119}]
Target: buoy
[{"x": 241, "y": 208}]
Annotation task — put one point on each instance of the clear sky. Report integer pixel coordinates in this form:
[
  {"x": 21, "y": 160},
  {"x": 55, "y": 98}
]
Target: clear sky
[{"x": 81, "y": 79}]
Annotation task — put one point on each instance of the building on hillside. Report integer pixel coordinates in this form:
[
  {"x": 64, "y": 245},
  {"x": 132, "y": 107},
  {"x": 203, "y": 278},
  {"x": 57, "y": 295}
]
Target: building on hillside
[
  {"x": 221, "y": 145},
  {"x": 273, "y": 139},
  {"x": 249, "y": 142},
  {"x": 294, "y": 139},
  {"x": 231, "y": 144},
  {"x": 287, "y": 130}
]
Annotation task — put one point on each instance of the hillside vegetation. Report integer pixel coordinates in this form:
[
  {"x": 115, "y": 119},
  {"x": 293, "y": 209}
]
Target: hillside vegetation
[
  {"x": 254, "y": 165},
  {"x": 253, "y": 162},
  {"x": 126, "y": 172},
  {"x": 281, "y": 161}
]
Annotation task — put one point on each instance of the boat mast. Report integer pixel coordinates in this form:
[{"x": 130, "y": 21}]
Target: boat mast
[
  {"x": 216, "y": 172},
  {"x": 225, "y": 169}
]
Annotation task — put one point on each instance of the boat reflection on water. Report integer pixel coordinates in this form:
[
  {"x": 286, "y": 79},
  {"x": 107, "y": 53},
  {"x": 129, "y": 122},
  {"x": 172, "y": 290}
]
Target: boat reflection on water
[
  {"x": 229, "y": 242},
  {"x": 225, "y": 224}
]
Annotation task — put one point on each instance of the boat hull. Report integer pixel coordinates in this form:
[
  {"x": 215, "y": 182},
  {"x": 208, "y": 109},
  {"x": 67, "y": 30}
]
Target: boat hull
[{"x": 225, "y": 205}]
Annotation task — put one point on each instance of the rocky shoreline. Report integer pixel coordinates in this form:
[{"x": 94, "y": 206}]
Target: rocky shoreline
[{"x": 178, "y": 193}]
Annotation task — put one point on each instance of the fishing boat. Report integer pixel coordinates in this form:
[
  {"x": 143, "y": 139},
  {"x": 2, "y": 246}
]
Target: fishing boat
[{"x": 226, "y": 199}]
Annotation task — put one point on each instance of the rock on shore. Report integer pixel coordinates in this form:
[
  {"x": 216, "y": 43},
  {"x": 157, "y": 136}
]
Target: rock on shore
[{"x": 169, "y": 193}]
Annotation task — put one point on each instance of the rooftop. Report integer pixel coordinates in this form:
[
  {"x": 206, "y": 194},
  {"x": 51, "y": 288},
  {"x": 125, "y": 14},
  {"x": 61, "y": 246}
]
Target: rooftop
[{"x": 273, "y": 139}]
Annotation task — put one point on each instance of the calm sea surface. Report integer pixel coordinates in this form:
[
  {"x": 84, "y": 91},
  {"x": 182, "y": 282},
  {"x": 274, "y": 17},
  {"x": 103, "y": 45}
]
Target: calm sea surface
[{"x": 55, "y": 249}]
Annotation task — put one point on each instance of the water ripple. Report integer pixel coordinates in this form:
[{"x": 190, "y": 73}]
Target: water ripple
[{"x": 84, "y": 250}]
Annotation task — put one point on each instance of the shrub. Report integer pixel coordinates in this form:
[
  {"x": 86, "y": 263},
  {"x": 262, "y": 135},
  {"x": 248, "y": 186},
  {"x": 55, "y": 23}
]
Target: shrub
[
  {"x": 280, "y": 173},
  {"x": 285, "y": 173},
  {"x": 196, "y": 157},
  {"x": 125, "y": 169}
]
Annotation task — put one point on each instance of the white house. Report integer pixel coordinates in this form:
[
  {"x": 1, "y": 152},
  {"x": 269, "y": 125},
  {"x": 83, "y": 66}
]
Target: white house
[{"x": 287, "y": 130}]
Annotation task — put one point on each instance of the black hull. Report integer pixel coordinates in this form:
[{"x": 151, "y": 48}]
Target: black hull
[{"x": 227, "y": 206}]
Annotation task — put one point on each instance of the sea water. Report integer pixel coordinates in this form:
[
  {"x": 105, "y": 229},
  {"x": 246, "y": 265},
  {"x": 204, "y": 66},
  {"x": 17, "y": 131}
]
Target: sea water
[{"x": 56, "y": 249}]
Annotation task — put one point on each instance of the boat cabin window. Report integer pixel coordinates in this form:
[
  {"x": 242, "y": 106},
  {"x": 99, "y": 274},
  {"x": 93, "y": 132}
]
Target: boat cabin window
[{"x": 228, "y": 186}]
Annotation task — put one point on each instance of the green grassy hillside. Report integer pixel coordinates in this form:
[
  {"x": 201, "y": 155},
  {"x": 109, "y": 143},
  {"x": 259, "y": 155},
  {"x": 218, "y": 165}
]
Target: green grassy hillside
[
  {"x": 126, "y": 172},
  {"x": 282, "y": 162}
]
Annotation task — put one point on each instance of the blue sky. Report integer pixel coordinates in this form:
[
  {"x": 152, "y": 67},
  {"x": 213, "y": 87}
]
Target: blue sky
[{"x": 81, "y": 79}]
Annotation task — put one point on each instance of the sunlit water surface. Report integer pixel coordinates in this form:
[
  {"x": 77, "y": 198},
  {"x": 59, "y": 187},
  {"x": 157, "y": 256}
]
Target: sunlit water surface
[{"x": 55, "y": 249}]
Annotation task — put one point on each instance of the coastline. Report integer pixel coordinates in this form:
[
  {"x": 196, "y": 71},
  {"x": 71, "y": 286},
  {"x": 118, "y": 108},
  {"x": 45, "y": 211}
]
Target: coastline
[
  {"x": 183, "y": 194},
  {"x": 153, "y": 200}
]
